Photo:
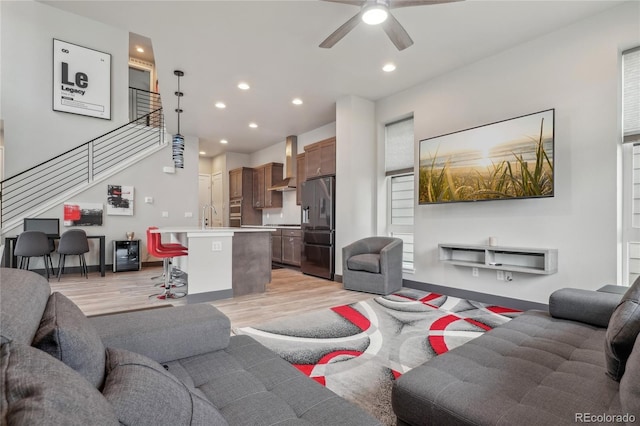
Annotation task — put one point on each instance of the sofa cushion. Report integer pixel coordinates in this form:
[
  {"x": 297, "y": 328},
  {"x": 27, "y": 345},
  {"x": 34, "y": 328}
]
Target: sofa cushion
[
  {"x": 67, "y": 334},
  {"x": 142, "y": 393},
  {"x": 369, "y": 262},
  {"x": 622, "y": 331},
  {"x": 24, "y": 297},
  {"x": 37, "y": 389},
  {"x": 630, "y": 383}
]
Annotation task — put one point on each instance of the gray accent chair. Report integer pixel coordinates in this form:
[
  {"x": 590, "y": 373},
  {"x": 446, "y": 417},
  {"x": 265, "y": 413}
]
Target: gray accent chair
[
  {"x": 169, "y": 366},
  {"x": 577, "y": 363},
  {"x": 73, "y": 242},
  {"x": 373, "y": 265},
  {"x": 34, "y": 244}
]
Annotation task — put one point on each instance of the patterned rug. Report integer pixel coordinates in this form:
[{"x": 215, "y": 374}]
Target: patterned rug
[{"x": 358, "y": 350}]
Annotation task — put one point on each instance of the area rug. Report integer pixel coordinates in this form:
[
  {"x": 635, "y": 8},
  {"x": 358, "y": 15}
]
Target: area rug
[{"x": 358, "y": 350}]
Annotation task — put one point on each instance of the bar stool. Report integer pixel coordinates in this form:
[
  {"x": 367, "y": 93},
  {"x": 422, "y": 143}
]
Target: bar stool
[
  {"x": 33, "y": 244},
  {"x": 153, "y": 241},
  {"x": 177, "y": 276}
]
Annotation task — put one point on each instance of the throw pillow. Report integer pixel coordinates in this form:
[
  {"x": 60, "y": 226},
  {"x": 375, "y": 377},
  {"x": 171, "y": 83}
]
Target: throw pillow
[
  {"x": 630, "y": 383},
  {"x": 143, "y": 393},
  {"x": 37, "y": 389},
  {"x": 622, "y": 331},
  {"x": 66, "y": 333}
]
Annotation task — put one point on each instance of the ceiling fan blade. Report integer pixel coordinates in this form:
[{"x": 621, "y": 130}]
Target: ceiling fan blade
[
  {"x": 407, "y": 3},
  {"x": 351, "y": 2},
  {"x": 396, "y": 32},
  {"x": 338, "y": 34}
]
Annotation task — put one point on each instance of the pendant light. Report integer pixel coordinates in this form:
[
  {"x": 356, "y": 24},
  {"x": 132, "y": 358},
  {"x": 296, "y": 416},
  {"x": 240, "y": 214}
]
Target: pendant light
[{"x": 177, "y": 146}]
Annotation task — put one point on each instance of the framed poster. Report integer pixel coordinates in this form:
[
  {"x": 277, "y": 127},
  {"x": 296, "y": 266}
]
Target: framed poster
[
  {"x": 81, "y": 80},
  {"x": 120, "y": 200},
  {"x": 82, "y": 214}
]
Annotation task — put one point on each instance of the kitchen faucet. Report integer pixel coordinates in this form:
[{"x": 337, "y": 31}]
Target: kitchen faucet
[{"x": 204, "y": 217}]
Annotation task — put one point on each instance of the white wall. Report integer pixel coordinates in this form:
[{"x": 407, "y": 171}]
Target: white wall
[
  {"x": 31, "y": 126},
  {"x": 574, "y": 70},
  {"x": 355, "y": 172},
  {"x": 34, "y": 132}
]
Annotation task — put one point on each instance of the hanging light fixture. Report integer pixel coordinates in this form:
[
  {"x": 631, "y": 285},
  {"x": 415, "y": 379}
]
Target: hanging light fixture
[{"x": 177, "y": 146}]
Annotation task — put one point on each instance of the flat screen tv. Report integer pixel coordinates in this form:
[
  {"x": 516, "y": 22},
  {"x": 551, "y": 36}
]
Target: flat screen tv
[{"x": 509, "y": 159}]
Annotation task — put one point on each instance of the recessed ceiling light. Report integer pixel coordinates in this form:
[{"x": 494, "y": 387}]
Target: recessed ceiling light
[
  {"x": 297, "y": 101},
  {"x": 389, "y": 67},
  {"x": 140, "y": 49},
  {"x": 243, "y": 86},
  {"x": 220, "y": 105},
  {"x": 253, "y": 125},
  {"x": 203, "y": 153},
  {"x": 374, "y": 15},
  {"x": 224, "y": 141}
]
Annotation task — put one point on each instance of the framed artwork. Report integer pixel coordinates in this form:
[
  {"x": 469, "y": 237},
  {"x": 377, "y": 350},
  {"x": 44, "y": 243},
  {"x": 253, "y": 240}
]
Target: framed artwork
[
  {"x": 81, "y": 80},
  {"x": 509, "y": 159},
  {"x": 82, "y": 214},
  {"x": 119, "y": 200}
]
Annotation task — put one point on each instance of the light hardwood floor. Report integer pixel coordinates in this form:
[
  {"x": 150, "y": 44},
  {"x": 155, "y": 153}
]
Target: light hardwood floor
[{"x": 289, "y": 293}]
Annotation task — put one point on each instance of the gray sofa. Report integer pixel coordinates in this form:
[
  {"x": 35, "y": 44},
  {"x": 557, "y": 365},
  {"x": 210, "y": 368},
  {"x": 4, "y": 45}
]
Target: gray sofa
[
  {"x": 579, "y": 363},
  {"x": 373, "y": 265},
  {"x": 168, "y": 366}
]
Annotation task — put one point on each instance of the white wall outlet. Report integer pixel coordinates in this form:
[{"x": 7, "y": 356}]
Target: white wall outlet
[
  {"x": 188, "y": 214},
  {"x": 267, "y": 215},
  {"x": 165, "y": 214},
  {"x": 508, "y": 276},
  {"x": 169, "y": 169},
  {"x": 148, "y": 200},
  {"x": 281, "y": 214},
  {"x": 216, "y": 246},
  {"x": 500, "y": 275},
  {"x": 474, "y": 272}
]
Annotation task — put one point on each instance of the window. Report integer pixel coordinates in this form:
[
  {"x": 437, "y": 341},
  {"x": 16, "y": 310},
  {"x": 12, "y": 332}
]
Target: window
[
  {"x": 399, "y": 149},
  {"x": 631, "y": 164}
]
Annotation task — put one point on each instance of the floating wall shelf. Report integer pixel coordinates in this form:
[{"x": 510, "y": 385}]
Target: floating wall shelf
[{"x": 515, "y": 259}]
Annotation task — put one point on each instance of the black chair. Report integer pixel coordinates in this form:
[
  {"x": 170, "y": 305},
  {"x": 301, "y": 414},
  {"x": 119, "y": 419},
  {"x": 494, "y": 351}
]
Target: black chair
[
  {"x": 33, "y": 244},
  {"x": 73, "y": 242}
]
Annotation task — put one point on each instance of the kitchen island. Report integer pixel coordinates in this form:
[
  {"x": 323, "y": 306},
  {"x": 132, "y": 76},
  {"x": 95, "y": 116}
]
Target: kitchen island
[{"x": 223, "y": 262}]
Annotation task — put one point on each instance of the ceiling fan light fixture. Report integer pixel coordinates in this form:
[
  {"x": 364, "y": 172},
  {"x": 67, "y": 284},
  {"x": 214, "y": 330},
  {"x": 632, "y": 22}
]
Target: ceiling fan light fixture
[{"x": 375, "y": 14}]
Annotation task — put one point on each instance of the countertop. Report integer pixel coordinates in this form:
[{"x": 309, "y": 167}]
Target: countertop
[
  {"x": 271, "y": 227},
  {"x": 192, "y": 230}
]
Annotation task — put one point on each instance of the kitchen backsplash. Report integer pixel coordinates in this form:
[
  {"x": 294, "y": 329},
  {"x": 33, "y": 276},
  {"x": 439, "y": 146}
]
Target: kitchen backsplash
[{"x": 289, "y": 213}]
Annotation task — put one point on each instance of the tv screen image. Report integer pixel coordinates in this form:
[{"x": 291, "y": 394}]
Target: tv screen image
[{"x": 510, "y": 159}]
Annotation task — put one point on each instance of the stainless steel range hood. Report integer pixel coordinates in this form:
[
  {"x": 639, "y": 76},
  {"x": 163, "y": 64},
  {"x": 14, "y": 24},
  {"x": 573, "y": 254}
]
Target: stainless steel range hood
[{"x": 289, "y": 181}]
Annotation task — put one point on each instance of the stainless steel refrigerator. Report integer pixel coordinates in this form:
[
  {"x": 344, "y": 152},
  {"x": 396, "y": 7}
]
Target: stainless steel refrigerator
[{"x": 318, "y": 212}]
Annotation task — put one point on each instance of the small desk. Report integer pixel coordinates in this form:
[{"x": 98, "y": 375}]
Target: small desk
[{"x": 11, "y": 261}]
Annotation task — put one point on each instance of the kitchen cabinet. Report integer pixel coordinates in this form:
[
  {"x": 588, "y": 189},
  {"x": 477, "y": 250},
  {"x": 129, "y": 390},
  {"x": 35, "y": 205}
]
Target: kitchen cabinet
[
  {"x": 263, "y": 177},
  {"x": 291, "y": 246},
  {"x": 300, "y": 177},
  {"x": 241, "y": 211},
  {"x": 320, "y": 159},
  {"x": 276, "y": 246}
]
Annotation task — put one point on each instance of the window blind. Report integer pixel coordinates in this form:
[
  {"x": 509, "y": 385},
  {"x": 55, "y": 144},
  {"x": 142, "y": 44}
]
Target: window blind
[
  {"x": 399, "y": 146},
  {"x": 631, "y": 95}
]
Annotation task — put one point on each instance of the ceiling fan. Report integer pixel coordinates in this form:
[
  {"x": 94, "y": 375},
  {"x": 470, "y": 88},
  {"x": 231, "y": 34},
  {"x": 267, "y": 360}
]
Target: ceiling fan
[{"x": 374, "y": 12}]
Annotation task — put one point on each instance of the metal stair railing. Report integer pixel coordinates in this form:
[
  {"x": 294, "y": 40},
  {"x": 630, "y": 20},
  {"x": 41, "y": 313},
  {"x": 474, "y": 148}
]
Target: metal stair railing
[
  {"x": 80, "y": 165},
  {"x": 142, "y": 103}
]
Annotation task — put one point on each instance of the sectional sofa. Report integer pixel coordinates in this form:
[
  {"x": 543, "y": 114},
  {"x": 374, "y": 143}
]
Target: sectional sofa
[
  {"x": 169, "y": 366},
  {"x": 578, "y": 363}
]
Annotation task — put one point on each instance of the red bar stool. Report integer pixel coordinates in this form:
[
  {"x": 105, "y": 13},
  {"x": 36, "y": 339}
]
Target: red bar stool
[
  {"x": 176, "y": 277},
  {"x": 153, "y": 240}
]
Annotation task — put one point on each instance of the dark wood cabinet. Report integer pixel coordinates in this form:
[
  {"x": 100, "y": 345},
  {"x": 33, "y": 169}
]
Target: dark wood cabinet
[
  {"x": 320, "y": 158},
  {"x": 263, "y": 177},
  {"x": 291, "y": 246},
  {"x": 300, "y": 177},
  {"x": 276, "y": 246},
  {"x": 241, "y": 211}
]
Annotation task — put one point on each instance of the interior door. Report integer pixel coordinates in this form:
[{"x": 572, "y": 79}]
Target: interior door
[
  {"x": 204, "y": 197},
  {"x": 217, "y": 199}
]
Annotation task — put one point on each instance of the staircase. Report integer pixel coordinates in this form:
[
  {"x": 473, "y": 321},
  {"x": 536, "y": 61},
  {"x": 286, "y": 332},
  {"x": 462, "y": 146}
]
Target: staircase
[{"x": 52, "y": 182}]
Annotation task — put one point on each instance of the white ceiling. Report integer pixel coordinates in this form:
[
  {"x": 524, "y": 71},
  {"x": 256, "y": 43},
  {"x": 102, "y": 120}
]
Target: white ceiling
[{"x": 273, "y": 45}]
